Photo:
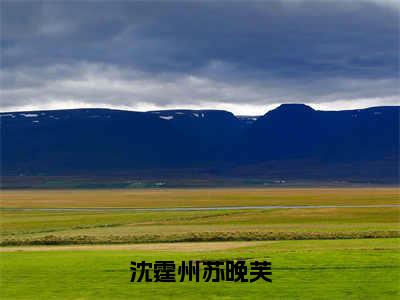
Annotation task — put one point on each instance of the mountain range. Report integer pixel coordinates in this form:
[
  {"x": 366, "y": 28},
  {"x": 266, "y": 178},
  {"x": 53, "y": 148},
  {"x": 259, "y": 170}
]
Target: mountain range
[{"x": 293, "y": 141}]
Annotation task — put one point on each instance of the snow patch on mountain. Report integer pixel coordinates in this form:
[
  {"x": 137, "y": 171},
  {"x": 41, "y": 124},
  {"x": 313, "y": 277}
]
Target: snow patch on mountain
[
  {"x": 167, "y": 117},
  {"x": 29, "y": 115}
]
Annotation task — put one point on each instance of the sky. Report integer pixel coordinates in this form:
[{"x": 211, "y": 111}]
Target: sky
[{"x": 243, "y": 56}]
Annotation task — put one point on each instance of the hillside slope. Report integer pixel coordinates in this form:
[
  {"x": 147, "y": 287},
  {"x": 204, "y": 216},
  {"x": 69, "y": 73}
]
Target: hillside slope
[{"x": 291, "y": 141}]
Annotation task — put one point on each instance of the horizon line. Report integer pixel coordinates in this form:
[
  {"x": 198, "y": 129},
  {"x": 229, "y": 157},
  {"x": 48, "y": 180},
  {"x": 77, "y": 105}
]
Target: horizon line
[{"x": 187, "y": 109}]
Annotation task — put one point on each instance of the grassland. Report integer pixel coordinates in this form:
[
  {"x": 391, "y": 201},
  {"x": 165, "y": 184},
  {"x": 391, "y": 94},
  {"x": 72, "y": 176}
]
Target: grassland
[
  {"x": 91, "y": 227},
  {"x": 197, "y": 197},
  {"x": 340, "y": 269},
  {"x": 37, "y": 227},
  {"x": 318, "y": 253}
]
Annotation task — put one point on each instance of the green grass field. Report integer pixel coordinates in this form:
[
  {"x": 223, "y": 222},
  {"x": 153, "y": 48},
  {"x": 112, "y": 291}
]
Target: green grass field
[
  {"x": 319, "y": 253},
  {"x": 22, "y": 227},
  {"x": 339, "y": 269}
]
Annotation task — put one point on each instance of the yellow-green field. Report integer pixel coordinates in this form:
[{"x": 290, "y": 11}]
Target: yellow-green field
[
  {"x": 317, "y": 253},
  {"x": 37, "y": 227},
  {"x": 19, "y": 227},
  {"x": 29, "y": 227},
  {"x": 198, "y": 197},
  {"x": 317, "y": 269}
]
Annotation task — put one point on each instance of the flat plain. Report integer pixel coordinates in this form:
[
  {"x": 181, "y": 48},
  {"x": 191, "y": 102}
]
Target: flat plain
[
  {"x": 316, "y": 253},
  {"x": 317, "y": 269},
  {"x": 30, "y": 227},
  {"x": 214, "y": 197}
]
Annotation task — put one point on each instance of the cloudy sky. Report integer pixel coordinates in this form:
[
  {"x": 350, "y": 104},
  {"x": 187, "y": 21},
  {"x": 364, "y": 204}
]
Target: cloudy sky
[{"x": 242, "y": 56}]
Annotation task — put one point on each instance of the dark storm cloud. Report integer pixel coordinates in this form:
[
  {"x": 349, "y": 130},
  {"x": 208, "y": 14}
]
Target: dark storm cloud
[{"x": 316, "y": 51}]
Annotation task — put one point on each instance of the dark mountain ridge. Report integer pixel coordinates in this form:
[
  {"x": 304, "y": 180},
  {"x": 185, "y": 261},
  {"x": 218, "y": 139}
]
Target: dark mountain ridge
[{"x": 291, "y": 141}]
